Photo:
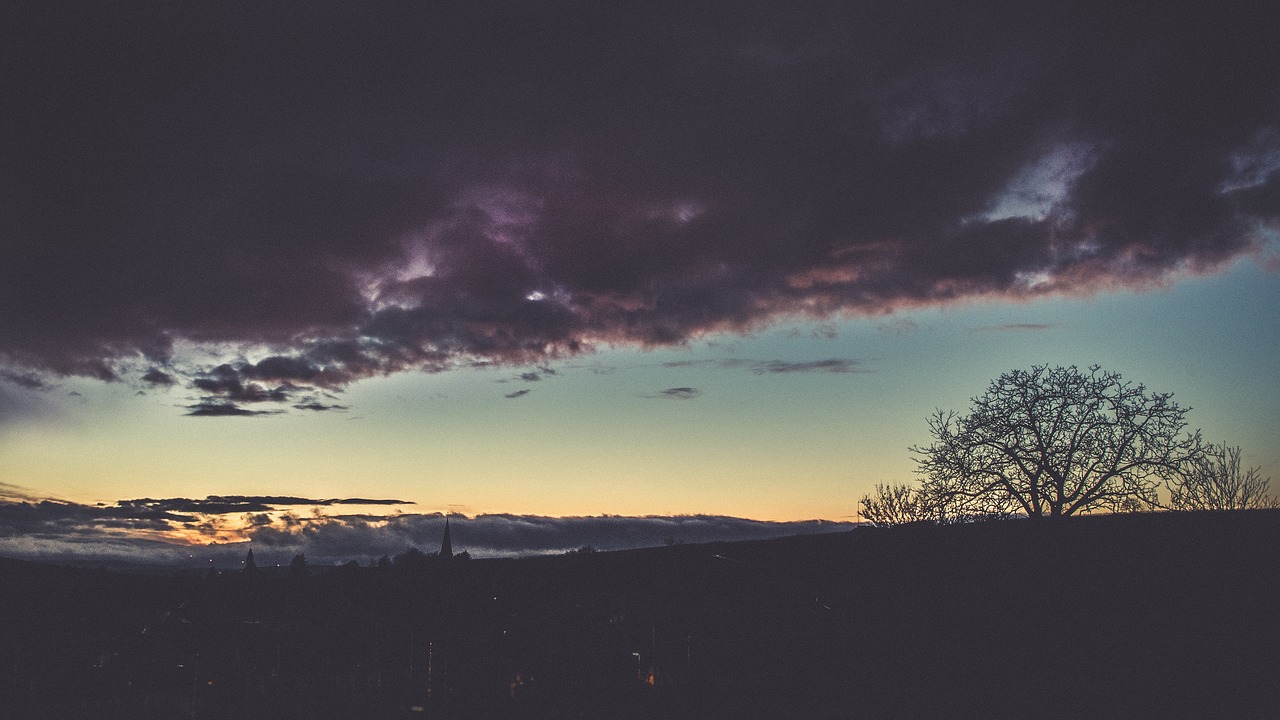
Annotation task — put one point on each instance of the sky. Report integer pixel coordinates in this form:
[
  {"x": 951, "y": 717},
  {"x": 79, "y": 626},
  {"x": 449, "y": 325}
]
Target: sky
[{"x": 314, "y": 275}]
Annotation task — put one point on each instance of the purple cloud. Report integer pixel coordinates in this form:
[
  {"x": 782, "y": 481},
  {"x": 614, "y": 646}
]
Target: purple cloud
[
  {"x": 317, "y": 406},
  {"x": 774, "y": 367},
  {"x": 830, "y": 365},
  {"x": 156, "y": 376},
  {"x": 223, "y": 408},
  {"x": 519, "y": 184}
]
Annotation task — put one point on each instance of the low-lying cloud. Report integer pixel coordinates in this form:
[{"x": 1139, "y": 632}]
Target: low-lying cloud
[{"x": 186, "y": 532}]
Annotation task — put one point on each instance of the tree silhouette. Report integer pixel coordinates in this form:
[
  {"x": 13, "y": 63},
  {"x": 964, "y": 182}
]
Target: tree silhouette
[
  {"x": 411, "y": 558},
  {"x": 895, "y": 504},
  {"x": 1055, "y": 442},
  {"x": 1216, "y": 480}
]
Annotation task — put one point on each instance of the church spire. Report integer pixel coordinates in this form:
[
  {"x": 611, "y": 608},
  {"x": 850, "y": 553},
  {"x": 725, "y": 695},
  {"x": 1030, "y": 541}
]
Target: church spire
[
  {"x": 446, "y": 545},
  {"x": 249, "y": 565}
]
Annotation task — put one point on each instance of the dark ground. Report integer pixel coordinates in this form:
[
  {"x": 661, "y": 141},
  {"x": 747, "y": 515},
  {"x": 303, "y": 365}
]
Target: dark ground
[{"x": 1140, "y": 616}]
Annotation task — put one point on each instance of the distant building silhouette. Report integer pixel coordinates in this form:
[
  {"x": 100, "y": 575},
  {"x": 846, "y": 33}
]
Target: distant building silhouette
[
  {"x": 250, "y": 566},
  {"x": 446, "y": 545}
]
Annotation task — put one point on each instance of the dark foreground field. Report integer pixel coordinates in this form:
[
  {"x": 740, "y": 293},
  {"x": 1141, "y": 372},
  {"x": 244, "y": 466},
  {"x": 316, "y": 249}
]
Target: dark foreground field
[{"x": 1145, "y": 616}]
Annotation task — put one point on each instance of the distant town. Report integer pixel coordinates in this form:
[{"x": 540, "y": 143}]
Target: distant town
[{"x": 1150, "y": 614}]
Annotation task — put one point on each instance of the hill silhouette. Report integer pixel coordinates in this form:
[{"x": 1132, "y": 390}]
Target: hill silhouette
[{"x": 1147, "y": 615}]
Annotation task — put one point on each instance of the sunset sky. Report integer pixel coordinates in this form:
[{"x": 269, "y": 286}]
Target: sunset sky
[{"x": 314, "y": 274}]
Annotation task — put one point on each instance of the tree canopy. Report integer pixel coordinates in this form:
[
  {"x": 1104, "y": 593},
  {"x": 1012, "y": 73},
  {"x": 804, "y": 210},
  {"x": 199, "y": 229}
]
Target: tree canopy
[{"x": 1054, "y": 441}]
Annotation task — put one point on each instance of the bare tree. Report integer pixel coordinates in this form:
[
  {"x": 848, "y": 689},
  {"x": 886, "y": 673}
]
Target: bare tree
[
  {"x": 1216, "y": 480},
  {"x": 891, "y": 505},
  {"x": 946, "y": 508},
  {"x": 900, "y": 504},
  {"x": 1055, "y": 442}
]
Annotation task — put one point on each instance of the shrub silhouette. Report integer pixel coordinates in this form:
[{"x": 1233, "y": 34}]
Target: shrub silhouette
[{"x": 1216, "y": 480}]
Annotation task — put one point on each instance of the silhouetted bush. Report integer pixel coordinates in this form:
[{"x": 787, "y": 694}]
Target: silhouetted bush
[
  {"x": 892, "y": 505},
  {"x": 1216, "y": 480}
]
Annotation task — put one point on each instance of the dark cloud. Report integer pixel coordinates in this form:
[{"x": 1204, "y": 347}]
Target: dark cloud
[
  {"x": 223, "y": 408},
  {"x": 278, "y": 367},
  {"x": 228, "y": 385},
  {"x": 677, "y": 393},
  {"x": 763, "y": 367},
  {"x": 232, "y": 383},
  {"x": 9, "y": 491},
  {"x": 156, "y": 376},
  {"x": 28, "y": 380},
  {"x": 228, "y": 382},
  {"x": 55, "y": 518},
  {"x": 830, "y": 365},
  {"x": 535, "y": 375},
  {"x": 350, "y": 190},
  {"x": 317, "y": 406},
  {"x": 516, "y": 394},
  {"x": 1015, "y": 327},
  {"x": 224, "y": 504},
  {"x": 724, "y": 363}
]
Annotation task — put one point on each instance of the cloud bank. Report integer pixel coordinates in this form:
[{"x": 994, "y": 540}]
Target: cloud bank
[
  {"x": 330, "y": 192},
  {"x": 185, "y": 532}
]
